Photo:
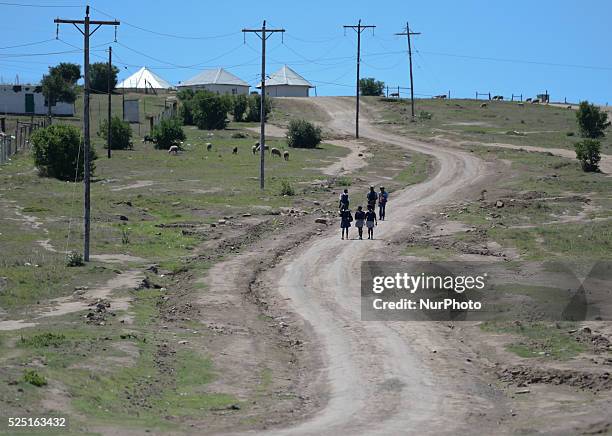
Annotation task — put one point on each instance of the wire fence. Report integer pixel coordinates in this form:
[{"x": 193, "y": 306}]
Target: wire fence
[{"x": 19, "y": 140}]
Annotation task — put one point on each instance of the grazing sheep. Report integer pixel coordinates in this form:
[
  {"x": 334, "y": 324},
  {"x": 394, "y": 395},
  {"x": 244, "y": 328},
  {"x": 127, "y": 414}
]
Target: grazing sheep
[
  {"x": 173, "y": 149},
  {"x": 286, "y": 155},
  {"x": 441, "y": 96},
  {"x": 147, "y": 138},
  {"x": 208, "y": 146},
  {"x": 235, "y": 150},
  {"x": 266, "y": 147},
  {"x": 535, "y": 101},
  {"x": 275, "y": 152},
  {"x": 254, "y": 149},
  {"x": 483, "y": 105},
  {"x": 569, "y": 107},
  {"x": 521, "y": 104},
  {"x": 528, "y": 100}
]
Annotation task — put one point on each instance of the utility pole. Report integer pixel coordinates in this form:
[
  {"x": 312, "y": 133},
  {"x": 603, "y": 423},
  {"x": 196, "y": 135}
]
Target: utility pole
[
  {"x": 110, "y": 69},
  {"x": 87, "y": 22},
  {"x": 408, "y": 34},
  {"x": 358, "y": 28},
  {"x": 263, "y": 35}
]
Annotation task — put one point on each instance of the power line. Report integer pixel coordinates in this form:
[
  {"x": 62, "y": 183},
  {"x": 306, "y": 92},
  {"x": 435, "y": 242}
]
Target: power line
[
  {"x": 27, "y": 44},
  {"x": 30, "y": 5}
]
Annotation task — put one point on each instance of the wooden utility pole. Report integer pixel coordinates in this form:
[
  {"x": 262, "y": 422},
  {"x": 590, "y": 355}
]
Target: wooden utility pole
[
  {"x": 110, "y": 70},
  {"x": 408, "y": 34},
  {"x": 87, "y": 22},
  {"x": 358, "y": 28},
  {"x": 263, "y": 35}
]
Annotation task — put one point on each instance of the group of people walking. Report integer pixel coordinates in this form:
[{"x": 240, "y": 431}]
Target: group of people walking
[{"x": 363, "y": 218}]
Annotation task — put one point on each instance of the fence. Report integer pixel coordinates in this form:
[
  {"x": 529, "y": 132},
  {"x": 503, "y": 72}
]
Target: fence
[{"x": 11, "y": 144}]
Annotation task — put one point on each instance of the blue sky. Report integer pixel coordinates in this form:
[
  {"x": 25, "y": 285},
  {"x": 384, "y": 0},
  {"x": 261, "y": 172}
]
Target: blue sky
[{"x": 561, "y": 46}]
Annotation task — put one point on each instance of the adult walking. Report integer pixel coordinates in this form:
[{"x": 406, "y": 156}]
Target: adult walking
[
  {"x": 360, "y": 221},
  {"x": 345, "y": 221},
  {"x": 383, "y": 196},
  {"x": 370, "y": 218},
  {"x": 372, "y": 197}
]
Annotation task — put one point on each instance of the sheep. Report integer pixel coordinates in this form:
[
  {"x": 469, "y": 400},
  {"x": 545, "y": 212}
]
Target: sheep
[
  {"x": 147, "y": 138},
  {"x": 173, "y": 149},
  {"x": 535, "y": 101},
  {"x": 235, "y": 150},
  {"x": 286, "y": 155},
  {"x": 569, "y": 107},
  {"x": 266, "y": 147},
  {"x": 254, "y": 149},
  {"x": 521, "y": 104},
  {"x": 528, "y": 100},
  {"x": 208, "y": 146},
  {"x": 483, "y": 105},
  {"x": 275, "y": 152},
  {"x": 441, "y": 96}
]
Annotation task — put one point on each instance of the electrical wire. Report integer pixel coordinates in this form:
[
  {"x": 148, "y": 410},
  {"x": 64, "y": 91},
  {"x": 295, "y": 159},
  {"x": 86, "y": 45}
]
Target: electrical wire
[
  {"x": 27, "y": 44},
  {"x": 30, "y": 5}
]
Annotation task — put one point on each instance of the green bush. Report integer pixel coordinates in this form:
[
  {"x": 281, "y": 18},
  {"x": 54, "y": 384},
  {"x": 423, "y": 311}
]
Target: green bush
[
  {"x": 44, "y": 340},
  {"x": 592, "y": 121},
  {"x": 588, "y": 153},
  {"x": 287, "y": 189},
  {"x": 34, "y": 378},
  {"x": 254, "y": 108},
  {"x": 240, "y": 105},
  {"x": 74, "y": 259},
  {"x": 121, "y": 134},
  {"x": 303, "y": 134},
  {"x": 186, "y": 109},
  {"x": 168, "y": 133},
  {"x": 424, "y": 115},
  {"x": 57, "y": 152},
  {"x": 210, "y": 110}
]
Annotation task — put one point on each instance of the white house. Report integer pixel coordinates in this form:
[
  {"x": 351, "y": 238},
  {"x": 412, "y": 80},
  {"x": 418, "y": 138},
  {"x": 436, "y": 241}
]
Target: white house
[
  {"x": 29, "y": 100},
  {"x": 144, "y": 80},
  {"x": 218, "y": 81},
  {"x": 286, "y": 83}
]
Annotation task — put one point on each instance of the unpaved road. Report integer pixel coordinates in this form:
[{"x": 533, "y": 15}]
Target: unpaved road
[{"x": 378, "y": 375}]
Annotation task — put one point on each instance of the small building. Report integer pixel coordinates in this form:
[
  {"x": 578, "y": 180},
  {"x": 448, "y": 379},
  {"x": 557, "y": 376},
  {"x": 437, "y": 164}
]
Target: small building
[
  {"x": 287, "y": 83},
  {"x": 144, "y": 80},
  {"x": 218, "y": 81},
  {"x": 29, "y": 100}
]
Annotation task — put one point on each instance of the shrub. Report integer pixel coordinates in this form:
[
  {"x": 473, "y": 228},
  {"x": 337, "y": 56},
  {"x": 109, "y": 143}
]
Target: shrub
[
  {"x": 591, "y": 120},
  {"x": 287, "y": 189},
  {"x": 209, "y": 111},
  {"x": 239, "y": 135},
  {"x": 588, "y": 153},
  {"x": 34, "y": 378},
  {"x": 424, "y": 115},
  {"x": 371, "y": 86},
  {"x": 44, "y": 340},
  {"x": 254, "y": 109},
  {"x": 121, "y": 134},
  {"x": 303, "y": 134},
  {"x": 74, "y": 259},
  {"x": 186, "y": 109},
  {"x": 57, "y": 152},
  {"x": 167, "y": 133},
  {"x": 240, "y": 105}
]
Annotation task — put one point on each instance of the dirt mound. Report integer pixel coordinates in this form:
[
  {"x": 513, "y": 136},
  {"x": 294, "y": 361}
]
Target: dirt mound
[{"x": 523, "y": 376}]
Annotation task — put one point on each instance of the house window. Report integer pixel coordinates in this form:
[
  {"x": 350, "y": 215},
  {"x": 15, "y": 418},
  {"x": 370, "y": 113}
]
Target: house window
[{"x": 234, "y": 91}]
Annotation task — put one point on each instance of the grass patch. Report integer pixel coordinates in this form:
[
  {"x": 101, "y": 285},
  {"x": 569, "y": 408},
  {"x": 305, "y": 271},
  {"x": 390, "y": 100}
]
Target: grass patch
[
  {"x": 34, "y": 378},
  {"x": 43, "y": 340}
]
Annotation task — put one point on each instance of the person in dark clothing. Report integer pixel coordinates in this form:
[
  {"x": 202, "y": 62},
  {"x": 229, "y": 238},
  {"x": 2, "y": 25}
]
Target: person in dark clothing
[
  {"x": 360, "y": 221},
  {"x": 371, "y": 221},
  {"x": 344, "y": 200},
  {"x": 345, "y": 221},
  {"x": 372, "y": 197},
  {"x": 382, "y": 203}
]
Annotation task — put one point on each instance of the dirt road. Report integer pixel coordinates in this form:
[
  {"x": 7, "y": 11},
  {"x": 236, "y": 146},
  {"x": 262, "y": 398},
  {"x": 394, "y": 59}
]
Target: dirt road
[{"x": 379, "y": 375}]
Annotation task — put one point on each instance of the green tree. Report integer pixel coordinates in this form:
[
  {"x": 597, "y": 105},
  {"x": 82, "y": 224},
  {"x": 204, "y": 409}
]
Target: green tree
[
  {"x": 592, "y": 121},
  {"x": 209, "y": 111},
  {"x": 121, "y": 134},
  {"x": 185, "y": 96},
  {"x": 254, "y": 108},
  {"x": 371, "y": 86},
  {"x": 98, "y": 76},
  {"x": 303, "y": 134},
  {"x": 168, "y": 133},
  {"x": 239, "y": 107},
  {"x": 57, "y": 152},
  {"x": 588, "y": 153},
  {"x": 60, "y": 84}
]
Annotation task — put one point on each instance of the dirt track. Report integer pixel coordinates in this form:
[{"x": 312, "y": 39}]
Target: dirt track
[{"x": 378, "y": 375}]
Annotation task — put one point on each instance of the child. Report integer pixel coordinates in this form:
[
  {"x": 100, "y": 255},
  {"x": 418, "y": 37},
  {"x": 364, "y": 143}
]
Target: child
[
  {"x": 382, "y": 203},
  {"x": 345, "y": 221},
  {"x": 371, "y": 221},
  {"x": 344, "y": 200},
  {"x": 372, "y": 197},
  {"x": 360, "y": 221}
]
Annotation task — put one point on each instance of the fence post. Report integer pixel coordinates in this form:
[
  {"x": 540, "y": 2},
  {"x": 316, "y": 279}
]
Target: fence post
[{"x": 3, "y": 125}]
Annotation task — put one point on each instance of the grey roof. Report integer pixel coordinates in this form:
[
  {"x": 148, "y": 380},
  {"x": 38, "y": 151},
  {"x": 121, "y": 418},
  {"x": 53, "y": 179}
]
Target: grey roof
[
  {"x": 286, "y": 76},
  {"x": 216, "y": 77}
]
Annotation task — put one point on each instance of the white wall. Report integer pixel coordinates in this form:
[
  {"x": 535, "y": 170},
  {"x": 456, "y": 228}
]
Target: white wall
[
  {"x": 220, "y": 89},
  {"x": 287, "y": 91},
  {"x": 12, "y": 102}
]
